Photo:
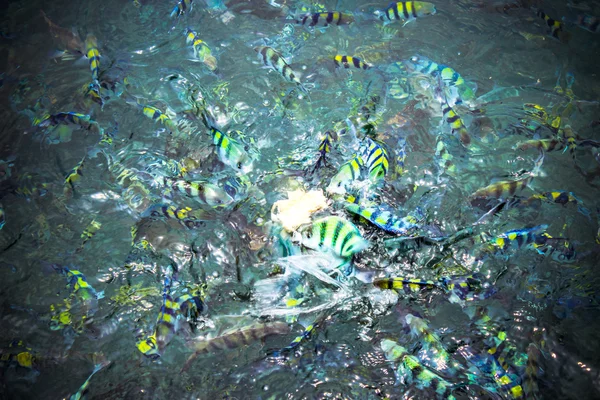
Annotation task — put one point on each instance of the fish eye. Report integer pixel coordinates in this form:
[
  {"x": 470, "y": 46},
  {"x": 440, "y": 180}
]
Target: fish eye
[
  {"x": 414, "y": 59},
  {"x": 239, "y": 165}
]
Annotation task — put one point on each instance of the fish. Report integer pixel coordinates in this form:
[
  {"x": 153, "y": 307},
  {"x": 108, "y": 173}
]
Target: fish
[
  {"x": 450, "y": 78},
  {"x": 540, "y": 144},
  {"x": 74, "y": 176},
  {"x": 324, "y": 149},
  {"x": 93, "y": 55},
  {"x": 406, "y": 285},
  {"x": 201, "y": 50},
  {"x": 157, "y": 115},
  {"x": 82, "y": 392},
  {"x": 69, "y": 40},
  {"x": 385, "y": 220},
  {"x": 326, "y": 19},
  {"x": 456, "y": 123},
  {"x": 181, "y": 8},
  {"x": 406, "y": 11},
  {"x": 166, "y": 326},
  {"x": 236, "y": 338},
  {"x": 310, "y": 328},
  {"x": 376, "y": 159},
  {"x": 530, "y": 385},
  {"x": 444, "y": 159},
  {"x": 535, "y": 237},
  {"x": 2, "y": 217},
  {"x": 346, "y": 175},
  {"x": 347, "y": 61},
  {"x": 467, "y": 287},
  {"x": 271, "y": 58},
  {"x": 410, "y": 370},
  {"x": 231, "y": 152},
  {"x": 66, "y": 118},
  {"x": 335, "y": 235},
  {"x": 557, "y": 30},
  {"x": 437, "y": 357},
  {"x": 589, "y": 23},
  {"x": 191, "y": 218},
  {"x": 203, "y": 191},
  {"x": 505, "y": 189},
  {"x": 89, "y": 232},
  {"x": 563, "y": 198}
]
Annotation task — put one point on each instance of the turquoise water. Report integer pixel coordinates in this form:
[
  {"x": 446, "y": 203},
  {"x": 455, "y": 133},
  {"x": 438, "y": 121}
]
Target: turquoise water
[{"x": 102, "y": 249}]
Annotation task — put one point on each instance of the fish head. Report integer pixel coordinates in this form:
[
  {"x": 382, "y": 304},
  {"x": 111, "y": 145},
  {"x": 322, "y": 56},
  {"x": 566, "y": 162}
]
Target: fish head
[{"x": 149, "y": 347}]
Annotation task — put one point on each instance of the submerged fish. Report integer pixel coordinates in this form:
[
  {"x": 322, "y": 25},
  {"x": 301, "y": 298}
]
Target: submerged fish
[
  {"x": 326, "y": 19},
  {"x": 406, "y": 11},
  {"x": 410, "y": 370},
  {"x": 557, "y": 30},
  {"x": 376, "y": 159},
  {"x": 203, "y": 191},
  {"x": 347, "y": 61},
  {"x": 93, "y": 55},
  {"x": 83, "y": 120},
  {"x": 82, "y": 392},
  {"x": 69, "y": 40},
  {"x": 589, "y": 23},
  {"x": 334, "y": 234},
  {"x": 201, "y": 50},
  {"x": 273, "y": 59},
  {"x": 348, "y": 173},
  {"x": 384, "y": 219},
  {"x": 237, "y": 338}
]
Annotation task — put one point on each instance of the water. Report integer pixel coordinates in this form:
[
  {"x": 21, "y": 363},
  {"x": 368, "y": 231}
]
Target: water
[{"x": 111, "y": 225}]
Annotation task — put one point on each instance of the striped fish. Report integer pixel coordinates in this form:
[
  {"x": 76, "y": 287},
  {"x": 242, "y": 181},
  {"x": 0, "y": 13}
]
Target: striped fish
[
  {"x": 448, "y": 75},
  {"x": 324, "y": 149},
  {"x": 201, "y": 49},
  {"x": 166, "y": 326},
  {"x": 507, "y": 189},
  {"x": 273, "y": 59},
  {"x": 191, "y": 218},
  {"x": 296, "y": 342},
  {"x": 455, "y": 122},
  {"x": 406, "y": 285},
  {"x": 346, "y": 175},
  {"x": 518, "y": 238},
  {"x": 326, "y": 19},
  {"x": 376, "y": 159},
  {"x": 557, "y": 30},
  {"x": 66, "y": 118},
  {"x": 74, "y": 176},
  {"x": 467, "y": 287},
  {"x": 237, "y": 338},
  {"x": 334, "y": 234},
  {"x": 347, "y": 61},
  {"x": 384, "y": 219},
  {"x": 93, "y": 55},
  {"x": 444, "y": 159},
  {"x": 156, "y": 115},
  {"x": 231, "y": 152},
  {"x": 181, "y": 8},
  {"x": 437, "y": 356},
  {"x": 540, "y": 144},
  {"x": 411, "y": 371},
  {"x": 203, "y": 191},
  {"x": 406, "y": 11}
]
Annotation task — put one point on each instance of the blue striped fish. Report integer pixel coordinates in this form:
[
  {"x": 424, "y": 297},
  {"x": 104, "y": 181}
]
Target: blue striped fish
[
  {"x": 384, "y": 219},
  {"x": 271, "y": 58}
]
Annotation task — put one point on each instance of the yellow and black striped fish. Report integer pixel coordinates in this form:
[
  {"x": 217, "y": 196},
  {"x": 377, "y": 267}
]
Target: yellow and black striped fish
[
  {"x": 540, "y": 144},
  {"x": 203, "y": 191},
  {"x": 74, "y": 176},
  {"x": 93, "y": 55},
  {"x": 324, "y": 149},
  {"x": 156, "y": 115},
  {"x": 406, "y": 11},
  {"x": 336, "y": 235},
  {"x": 273, "y": 59},
  {"x": 376, "y": 159},
  {"x": 406, "y": 285},
  {"x": 458, "y": 128},
  {"x": 557, "y": 30},
  {"x": 347, "y": 61},
  {"x": 326, "y": 19}
]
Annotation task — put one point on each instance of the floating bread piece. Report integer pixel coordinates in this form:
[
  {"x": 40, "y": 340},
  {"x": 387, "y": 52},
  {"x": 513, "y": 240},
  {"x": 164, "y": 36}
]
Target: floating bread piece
[{"x": 298, "y": 208}]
